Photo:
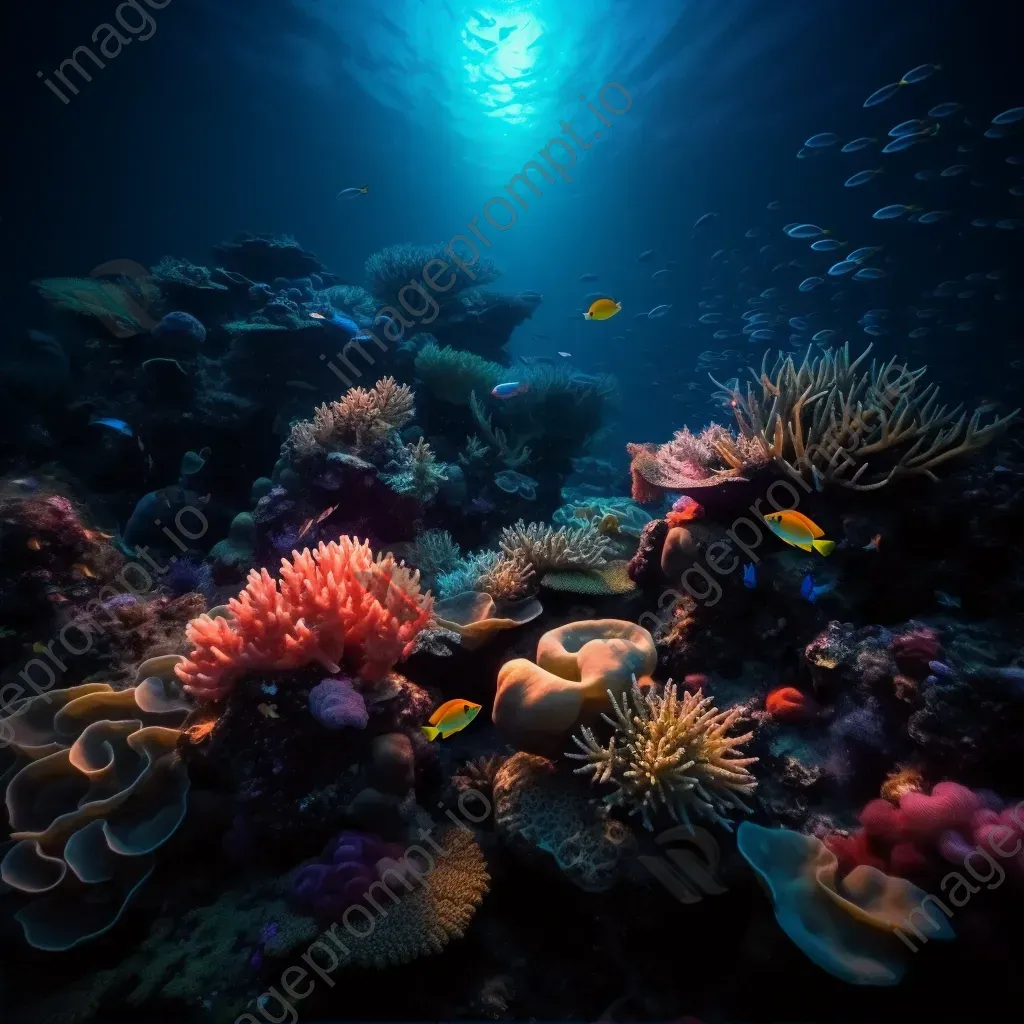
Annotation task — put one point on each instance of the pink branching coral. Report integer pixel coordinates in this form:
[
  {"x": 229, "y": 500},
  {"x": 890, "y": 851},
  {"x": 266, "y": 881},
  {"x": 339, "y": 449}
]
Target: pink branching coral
[{"x": 336, "y": 604}]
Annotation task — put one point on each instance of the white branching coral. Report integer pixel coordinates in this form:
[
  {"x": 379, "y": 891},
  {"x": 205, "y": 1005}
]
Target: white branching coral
[
  {"x": 672, "y": 752},
  {"x": 544, "y": 547}
]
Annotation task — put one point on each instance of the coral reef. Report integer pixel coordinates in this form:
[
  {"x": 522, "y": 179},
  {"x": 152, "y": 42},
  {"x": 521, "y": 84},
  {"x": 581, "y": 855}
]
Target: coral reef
[
  {"x": 536, "y": 805},
  {"x": 103, "y": 791},
  {"x": 336, "y": 603},
  {"x": 537, "y": 705},
  {"x": 546, "y": 548},
  {"x": 669, "y": 753},
  {"x": 823, "y": 418}
]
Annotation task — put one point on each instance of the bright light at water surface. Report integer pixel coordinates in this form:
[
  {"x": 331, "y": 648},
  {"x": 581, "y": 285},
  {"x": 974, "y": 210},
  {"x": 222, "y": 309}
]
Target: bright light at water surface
[{"x": 501, "y": 49}]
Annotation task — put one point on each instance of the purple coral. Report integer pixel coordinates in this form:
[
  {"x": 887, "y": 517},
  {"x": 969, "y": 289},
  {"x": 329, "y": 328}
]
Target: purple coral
[
  {"x": 337, "y": 704},
  {"x": 340, "y": 879}
]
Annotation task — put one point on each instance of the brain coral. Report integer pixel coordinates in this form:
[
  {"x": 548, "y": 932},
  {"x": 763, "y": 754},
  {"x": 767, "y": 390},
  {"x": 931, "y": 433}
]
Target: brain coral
[
  {"x": 102, "y": 791},
  {"x": 335, "y": 604},
  {"x": 536, "y": 705},
  {"x": 532, "y": 802}
]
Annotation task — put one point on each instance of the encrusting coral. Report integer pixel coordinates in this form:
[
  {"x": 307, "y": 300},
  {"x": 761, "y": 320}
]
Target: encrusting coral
[
  {"x": 545, "y": 548},
  {"x": 670, "y": 752},
  {"x": 534, "y": 803},
  {"x": 336, "y": 604},
  {"x": 823, "y": 418}
]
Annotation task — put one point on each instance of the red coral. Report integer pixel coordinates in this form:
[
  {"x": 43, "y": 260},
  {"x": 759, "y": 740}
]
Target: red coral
[
  {"x": 684, "y": 510},
  {"x": 788, "y": 704},
  {"x": 337, "y": 603}
]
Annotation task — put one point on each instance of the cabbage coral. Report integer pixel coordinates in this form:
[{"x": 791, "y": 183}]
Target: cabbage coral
[
  {"x": 335, "y": 605},
  {"x": 545, "y": 548},
  {"x": 832, "y": 421},
  {"x": 453, "y": 375},
  {"x": 672, "y": 753},
  {"x": 361, "y": 422}
]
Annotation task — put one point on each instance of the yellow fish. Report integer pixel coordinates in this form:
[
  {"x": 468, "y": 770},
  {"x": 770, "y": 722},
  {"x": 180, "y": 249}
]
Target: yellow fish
[
  {"x": 602, "y": 309},
  {"x": 451, "y": 717},
  {"x": 84, "y": 570},
  {"x": 796, "y": 529}
]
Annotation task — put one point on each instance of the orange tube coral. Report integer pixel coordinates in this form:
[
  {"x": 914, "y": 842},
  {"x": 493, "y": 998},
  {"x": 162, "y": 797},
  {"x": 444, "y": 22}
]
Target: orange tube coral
[{"x": 336, "y": 603}]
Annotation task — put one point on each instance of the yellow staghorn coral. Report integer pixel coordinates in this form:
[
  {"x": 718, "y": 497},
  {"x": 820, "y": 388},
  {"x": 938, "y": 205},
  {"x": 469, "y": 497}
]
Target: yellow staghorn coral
[
  {"x": 545, "y": 548},
  {"x": 833, "y": 421},
  {"x": 669, "y": 752},
  {"x": 360, "y": 422}
]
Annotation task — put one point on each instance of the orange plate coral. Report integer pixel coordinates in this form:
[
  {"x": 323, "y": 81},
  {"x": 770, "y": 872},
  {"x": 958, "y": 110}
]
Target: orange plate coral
[{"x": 336, "y": 603}]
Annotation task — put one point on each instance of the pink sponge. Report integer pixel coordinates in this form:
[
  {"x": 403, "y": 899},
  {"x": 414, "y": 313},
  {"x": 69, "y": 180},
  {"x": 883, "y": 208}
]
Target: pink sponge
[
  {"x": 882, "y": 821},
  {"x": 950, "y": 806}
]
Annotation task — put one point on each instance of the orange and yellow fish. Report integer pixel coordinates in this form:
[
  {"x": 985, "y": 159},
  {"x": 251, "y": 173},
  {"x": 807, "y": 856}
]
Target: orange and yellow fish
[
  {"x": 451, "y": 717},
  {"x": 602, "y": 309},
  {"x": 797, "y": 530},
  {"x": 34, "y": 544},
  {"x": 84, "y": 570}
]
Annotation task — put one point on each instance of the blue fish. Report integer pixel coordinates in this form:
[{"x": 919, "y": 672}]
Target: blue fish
[
  {"x": 827, "y": 245},
  {"x": 944, "y": 109},
  {"x": 861, "y": 178},
  {"x": 892, "y": 211},
  {"x": 821, "y": 139},
  {"x": 108, "y": 421},
  {"x": 842, "y": 267},
  {"x": 339, "y": 320},
  {"x": 869, "y": 274},
  {"x": 903, "y": 142},
  {"x": 810, "y": 283},
  {"x": 1010, "y": 116},
  {"x": 855, "y": 144},
  {"x": 862, "y": 254},
  {"x": 919, "y": 74},
  {"x": 933, "y": 217},
  {"x": 804, "y": 231},
  {"x": 881, "y": 95},
  {"x": 810, "y": 592},
  {"x": 750, "y": 575},
  {"x": 510, "y": 389},
  {"x": 824, "y": 335},
  {"x": 912, "y": 127}
]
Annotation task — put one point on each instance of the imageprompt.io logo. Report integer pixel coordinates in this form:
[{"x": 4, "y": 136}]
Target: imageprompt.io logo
[{"x": 687, "y": 865}]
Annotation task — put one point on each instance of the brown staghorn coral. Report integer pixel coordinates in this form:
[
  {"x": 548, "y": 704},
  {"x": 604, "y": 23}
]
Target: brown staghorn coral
[
  {"x": 833, "y": 421},
  {"x": 672, "y": 752},
  {"x": 360, "y": 422},
  {"x": 546, "y": 548}
]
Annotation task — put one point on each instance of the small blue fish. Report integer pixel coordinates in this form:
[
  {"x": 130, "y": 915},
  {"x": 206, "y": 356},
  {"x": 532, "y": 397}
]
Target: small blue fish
[
  {"x": 339, "y": 320},
  {"x": 933, "y": 217},
  {"x": 861, "y": 178},
  {"x": 954, "y": 171},
  {"x": 900, "y": 144},
  {"x": 881, "y": 95},
  {"x": 810, "y": 592},
  {"x": 510, "y": 389},
  {"x": 919, "y": 332},
  {"x": 804, "y": 230},
  {"x": 808, "y": 284},
  {"x": 869, "y": 274},
  {"x": 351, "y": 193},
  {"x": 862, "y": 143},
  {"x": 821, "y": 139},
  {"x": 775, "y": 205},
  {"x": 823, "y": 335},
  {"x": 842, "y": 267},
  {"x": 944, "y": 109},
  {"x": 108, "y": 421},
  {"x": 911, "y": 127},
  {"x": 920, "y": 73},
  {"x": 798, "y": 323},
  {"x": 750, "y": 575},
  {"x": 762, "y": 335},
  {"x": 827, "y": 245},
  {"x": 862, "y": 254},
  {"x": 1010, "y": 116},
  {"x": 710, "y": 318},
  {"x": 928, "y": 175},
  {"x": 893, "y": 210}
]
